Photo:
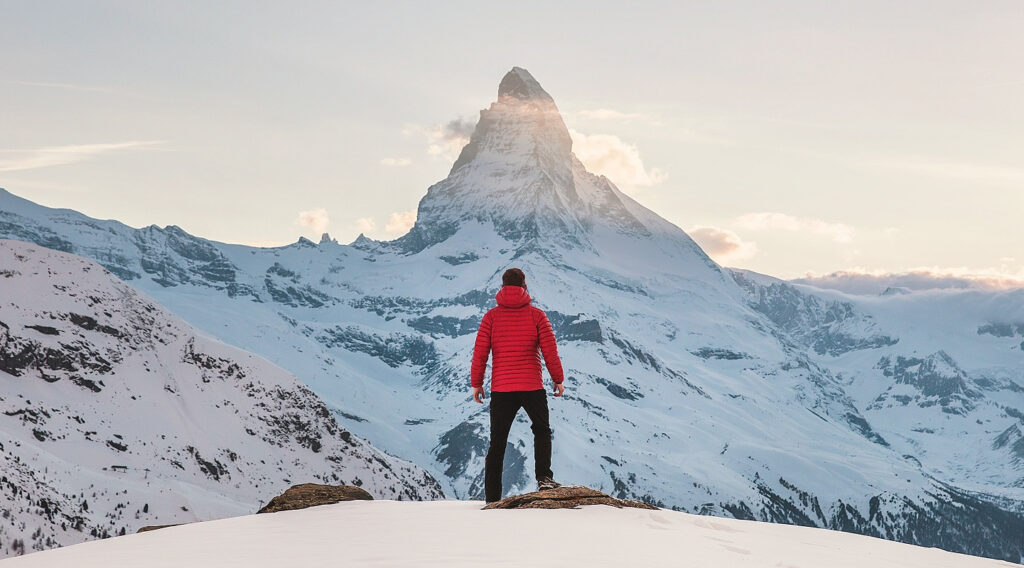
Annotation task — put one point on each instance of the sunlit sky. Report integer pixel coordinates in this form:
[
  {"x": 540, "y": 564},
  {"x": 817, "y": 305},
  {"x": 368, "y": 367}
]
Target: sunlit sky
[{"x": 787, "y": 137}]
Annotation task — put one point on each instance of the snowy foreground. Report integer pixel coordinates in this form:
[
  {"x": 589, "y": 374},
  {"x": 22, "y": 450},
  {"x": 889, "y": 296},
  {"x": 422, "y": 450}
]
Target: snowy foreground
[{"x": 458, "y": 533}]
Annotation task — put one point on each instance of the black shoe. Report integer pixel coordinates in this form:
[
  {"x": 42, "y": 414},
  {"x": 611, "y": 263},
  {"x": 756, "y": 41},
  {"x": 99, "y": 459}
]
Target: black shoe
[{"x": 547, "y": 483}]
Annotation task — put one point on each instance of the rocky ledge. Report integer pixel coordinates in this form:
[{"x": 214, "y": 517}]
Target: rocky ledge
[
  {"x": 566, "y": 497},
  {"x": 148, "y": 528},
  {"x": 313, "y": 494}
]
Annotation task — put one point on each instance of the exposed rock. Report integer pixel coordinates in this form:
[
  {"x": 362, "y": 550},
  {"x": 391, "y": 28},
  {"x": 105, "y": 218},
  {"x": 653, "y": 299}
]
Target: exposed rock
[
  {"x": 313, "y": 494},
  {"x": 934, "y": 380},
  {"x": 148, "y": 528},
  {"x": 829, "y": 327},
  {"x": 395, "y": 349},
  {"x": 566, "y": 497}
]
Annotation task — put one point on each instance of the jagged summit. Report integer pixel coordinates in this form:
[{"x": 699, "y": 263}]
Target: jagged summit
[
  {"x": 523, "y": 123},
  {"x": 518, "y": 174},
  {"x": 519, "y": 83}
]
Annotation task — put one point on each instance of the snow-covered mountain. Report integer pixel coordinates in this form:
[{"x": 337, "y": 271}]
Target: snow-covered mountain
[
  {"x": 115, "y": 414},
  {"x": 939, "y": 374},
  {"x": 447, "y": 533},
  {"x": 690, "y": 385}
]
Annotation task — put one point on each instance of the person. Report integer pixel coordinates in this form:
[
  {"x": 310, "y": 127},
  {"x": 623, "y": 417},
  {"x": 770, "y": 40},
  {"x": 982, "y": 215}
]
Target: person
[{"x": 514, "y": 330}]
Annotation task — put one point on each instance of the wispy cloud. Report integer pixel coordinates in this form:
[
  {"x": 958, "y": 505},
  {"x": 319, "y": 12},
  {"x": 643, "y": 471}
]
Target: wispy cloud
[
  {"x": 936, "y": 168},
  {"x": 64, "y": 86},
  {"x": 444, "y": 140},
  {"x": 619, "y": 161},
  {"x": 858, "y": 280},
  {"x": 926, "y": 166},
  {"x": 315, "y": 219},
  {"x": 767, "y": 221},
  {"x": 607, "y": 114},
  {"x": 395, "y": 162},
  {"x": 722, "y": 245},
  {"x": 366, "y": 225},
  {"x": 400, "y": 222},
  {"x": 29, "y": 159}
]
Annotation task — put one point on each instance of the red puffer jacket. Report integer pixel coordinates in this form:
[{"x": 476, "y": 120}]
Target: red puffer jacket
[{"x": 514, "y": 330}]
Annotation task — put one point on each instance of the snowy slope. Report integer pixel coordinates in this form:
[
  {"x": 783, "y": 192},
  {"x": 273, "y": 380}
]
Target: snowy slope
[
  {"x": 690, "y": 386},
  {"x": 458, "y": 533},
  {"x": 949, "y": 392},
  {"x": 115, "y": 414}
]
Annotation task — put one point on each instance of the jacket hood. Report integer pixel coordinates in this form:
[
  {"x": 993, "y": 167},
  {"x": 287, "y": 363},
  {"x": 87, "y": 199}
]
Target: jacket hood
[{"x": 512, "y": 297}]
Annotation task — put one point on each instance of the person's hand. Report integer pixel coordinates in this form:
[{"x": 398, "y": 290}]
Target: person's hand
[
  {"x": 559, "y": 389},
  {"x": 478, "y": 394}
]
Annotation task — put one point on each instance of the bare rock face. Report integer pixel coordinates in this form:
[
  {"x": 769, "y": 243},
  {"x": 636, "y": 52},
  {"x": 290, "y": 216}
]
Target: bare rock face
[
  {"x": 148, "y": 528},
  {"x": 566, "y": 497},
  {"x": 313, "y": 494}
]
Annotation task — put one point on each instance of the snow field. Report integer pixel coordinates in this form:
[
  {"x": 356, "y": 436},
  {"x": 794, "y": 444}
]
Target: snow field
[{"x": 459, "y": 533}]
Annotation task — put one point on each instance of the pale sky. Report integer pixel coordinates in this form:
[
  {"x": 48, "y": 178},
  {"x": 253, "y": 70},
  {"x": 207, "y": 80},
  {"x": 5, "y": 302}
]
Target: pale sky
[{"x": 787, "y": 137}]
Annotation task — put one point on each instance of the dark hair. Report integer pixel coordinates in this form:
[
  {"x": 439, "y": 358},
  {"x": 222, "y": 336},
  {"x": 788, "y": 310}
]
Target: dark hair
[{"x": 513, "y": 277}]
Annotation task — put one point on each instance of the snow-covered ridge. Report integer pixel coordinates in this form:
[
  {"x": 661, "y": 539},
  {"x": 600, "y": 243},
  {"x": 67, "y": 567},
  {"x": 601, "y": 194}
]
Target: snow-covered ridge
[
  {"x": 458, "y": 533},
  {"x": 116, "y": 414}
]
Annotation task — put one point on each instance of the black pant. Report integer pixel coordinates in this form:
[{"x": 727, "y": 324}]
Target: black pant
[{"x": 504, "y": 406}]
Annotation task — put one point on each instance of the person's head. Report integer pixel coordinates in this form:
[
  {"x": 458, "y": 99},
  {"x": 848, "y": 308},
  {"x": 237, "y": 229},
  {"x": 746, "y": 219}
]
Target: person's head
[{"x": 513, "y": 277}]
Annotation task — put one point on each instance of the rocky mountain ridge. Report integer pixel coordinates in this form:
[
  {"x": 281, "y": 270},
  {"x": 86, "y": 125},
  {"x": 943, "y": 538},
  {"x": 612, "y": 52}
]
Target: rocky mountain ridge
[{"x": 115, "y": 414}]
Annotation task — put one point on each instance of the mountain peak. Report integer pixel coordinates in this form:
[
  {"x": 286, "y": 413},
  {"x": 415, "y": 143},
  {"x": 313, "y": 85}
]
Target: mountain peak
[
  {"x": 518, "y": 83},
  {"x": 518, "y": 174},
  {"x": 522, "y": 128}
]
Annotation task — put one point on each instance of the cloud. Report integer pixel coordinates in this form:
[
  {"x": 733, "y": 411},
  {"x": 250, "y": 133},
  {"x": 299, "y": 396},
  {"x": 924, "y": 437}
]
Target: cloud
[
  {"x": 873, "y": 282},
  {"x": 63, "y": 86},
  {"x": 315, "y": 219},
  {"x": 366, "y": 225},
  {"x": 460, "y": 128},
  {"x": 955, "y": 170},
  {"x": 767, "y": 221},
  {"x": 928, "y": 166},
  {"x": 607, "y": 114},
  {"x": 29, "y": 159},
  {"x": 444, "y": 140},
  {"x": 395, "y": 162},
  {"x": 608, "y": 155},
  {"x": 400, "y": 222},
  {"x": 722, "y": 245}
]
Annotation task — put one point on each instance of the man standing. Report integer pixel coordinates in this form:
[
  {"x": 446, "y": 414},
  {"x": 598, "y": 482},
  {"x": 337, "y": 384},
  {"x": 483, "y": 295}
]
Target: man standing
[{"x": 514, "y": 330}]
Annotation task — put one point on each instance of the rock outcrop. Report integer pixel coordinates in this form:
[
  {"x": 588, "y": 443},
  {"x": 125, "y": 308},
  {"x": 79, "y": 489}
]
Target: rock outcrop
[
  {"x": 148, "y": 528},
  {"x": 313, "y": 494},
  {"x": 566, "y": 497}
]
